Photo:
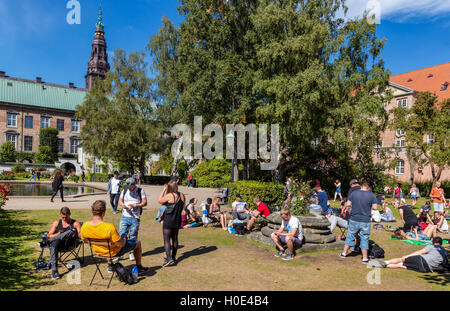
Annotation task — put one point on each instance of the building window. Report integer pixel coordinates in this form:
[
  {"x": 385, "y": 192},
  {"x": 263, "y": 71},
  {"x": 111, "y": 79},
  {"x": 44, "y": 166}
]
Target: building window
[
  {"x": 60, "y": 124},
  {"x": 12, "y": 138},
  {"x": 402, "y": 102},
  {"x": 28, "y": 143},
  {"x": 400, "y": 133},
  {"x": 97, "y": 169},
  {"x": 399, "y": 143},
  {"x": 74, "y": 146},
  {"x": 28, "y": 122},
  {"x": 12, "y": 119},
  {"x": 400, "y": 168},
  {"x": 60, "y": 145},
  {"x": 75, "y": 126},
  {"x": 45, "y": 122},
  {"x": 430, "y": 139}
]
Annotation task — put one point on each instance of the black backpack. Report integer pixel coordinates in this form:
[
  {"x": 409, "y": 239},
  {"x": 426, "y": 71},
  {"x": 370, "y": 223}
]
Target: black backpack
[
  {"x": 375, "y": 251},
  {"x": 240, "y": 228},
  {"x": 123, "y": 274}
]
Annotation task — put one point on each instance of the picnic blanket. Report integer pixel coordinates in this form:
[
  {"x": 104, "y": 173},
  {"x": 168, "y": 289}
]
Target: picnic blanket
[{"x": 413, "y": 242}]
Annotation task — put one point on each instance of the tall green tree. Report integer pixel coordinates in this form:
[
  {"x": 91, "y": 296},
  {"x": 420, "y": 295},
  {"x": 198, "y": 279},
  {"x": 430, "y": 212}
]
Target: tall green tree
[
  {"x": 49, "y": 137},
  {"x": 286, "y": 62},
  {"x": 8, "y": 152},
  {"x": 119, "y": 113},
  {"x": 425, "y": 119}
]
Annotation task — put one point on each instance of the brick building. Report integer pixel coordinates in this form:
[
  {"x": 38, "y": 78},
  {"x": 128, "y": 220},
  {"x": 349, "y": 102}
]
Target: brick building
[
  {"x": 26, "y": 106},
  {"x": 404, "y": 87}
]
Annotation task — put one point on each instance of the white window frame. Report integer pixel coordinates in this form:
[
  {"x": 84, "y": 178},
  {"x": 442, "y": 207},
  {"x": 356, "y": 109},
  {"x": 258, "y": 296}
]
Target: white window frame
[
  {"x": 45, "y": 123},
  {"x": 13, "y": 120},
  {"x": 75, "y": 126},
  {"x": 72, "y": 142},
  {"x": 430, "y": 139},
  {"x": 400, "y": 167},
  {"x": 97, "y": 169},
  {"x": 12, "y": 138},
  {"x": 398, "y": 143},
  {"x": 402, "y": 102},
  {"x": 400, "y": 133}
]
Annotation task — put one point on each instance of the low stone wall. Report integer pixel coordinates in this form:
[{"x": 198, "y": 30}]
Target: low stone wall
[{"x": 315, "y": 231}]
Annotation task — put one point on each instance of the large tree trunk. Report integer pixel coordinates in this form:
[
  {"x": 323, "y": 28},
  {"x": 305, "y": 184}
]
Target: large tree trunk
[{"x": 412, "y": 168}]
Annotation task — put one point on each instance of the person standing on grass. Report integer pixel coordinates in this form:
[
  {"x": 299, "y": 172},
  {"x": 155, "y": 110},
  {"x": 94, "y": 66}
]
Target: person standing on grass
[
  {"x": 354, "y": 185},
  {"x": 132, "y": 200},
  {"x": 33, "y": 175},
  {"x": 362, "y": 202},
  {"x": 114, "y": 189},
  {"x": 38, "y": 174},
  {"x": 414, "y": 193},
  {"x": 294, "y": 237},
  {"x": 338, "y": 192},
  {"x": 174, "y": 201},
  {"x": 57, "y": 185},
  {"x": 438, "y": 196}
]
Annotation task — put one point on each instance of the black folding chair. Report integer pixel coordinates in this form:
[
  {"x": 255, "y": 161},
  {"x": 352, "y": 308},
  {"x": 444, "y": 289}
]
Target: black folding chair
[
  {"x": 72, "y": 247},
  {"x": 97, "y": 259}
]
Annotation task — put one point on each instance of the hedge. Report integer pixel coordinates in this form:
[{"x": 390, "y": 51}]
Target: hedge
[
  {"x": 270, "y": 193},
  {"x": 212, "y": 174},
  {"x": 98, "y": 177}
]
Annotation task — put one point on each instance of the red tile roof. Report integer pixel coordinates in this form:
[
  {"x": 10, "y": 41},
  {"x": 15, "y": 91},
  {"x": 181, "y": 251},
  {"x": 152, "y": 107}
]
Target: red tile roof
[{"x": 427, "y": 79}]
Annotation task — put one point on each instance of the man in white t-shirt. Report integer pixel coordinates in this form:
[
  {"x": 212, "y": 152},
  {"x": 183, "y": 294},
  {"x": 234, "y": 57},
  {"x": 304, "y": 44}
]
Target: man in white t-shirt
[
  {"x": 293, "y": 238},
  {"x": 241, "y": 212},
  {"x": 113, "y": 189},
  {"x": 132, "y": 200}
]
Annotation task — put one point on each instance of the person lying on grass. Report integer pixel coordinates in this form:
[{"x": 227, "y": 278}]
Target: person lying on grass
[
  {"x": 428, "y": 234},
  {"x": 424, "y": 260}
]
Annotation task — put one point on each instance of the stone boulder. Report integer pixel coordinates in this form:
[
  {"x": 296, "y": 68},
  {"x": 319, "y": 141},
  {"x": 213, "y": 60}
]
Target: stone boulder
[
  {"x": 309, "y": 237},
  {"x": 314, "y": 222},
  {"x": 274, "y": 226},
  {"x": 274, "y": 218}
]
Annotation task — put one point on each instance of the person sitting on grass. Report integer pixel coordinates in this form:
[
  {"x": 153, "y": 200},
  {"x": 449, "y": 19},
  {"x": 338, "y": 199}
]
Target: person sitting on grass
[
  {"x": 214, "y": 211},
  {"x": 424, "y": 220},
  {"x": 293, "y": 238},
  {"x": 408, "y": 217},
  {"x": 62, "y": 233},
  {"x": 98, "y": 229},
  {"x": 387, "y": 215},
  {"x": 425, "y": 260},
  {"x": 192, "y": 214},
  {"x": 426, "y": 208},
  {"x": 440, "y": 222},
  {"x": 426, "y": 235},
  {"x": 241, "y": 212}
]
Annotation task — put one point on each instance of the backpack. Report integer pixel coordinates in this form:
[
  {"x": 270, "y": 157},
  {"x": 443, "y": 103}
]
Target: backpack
[
  {"x": 375, "y": 251},
  {"x": 139, "y": 190},
  {"x": 240, "y": 228},
  {"x": 123, "y": 274}
]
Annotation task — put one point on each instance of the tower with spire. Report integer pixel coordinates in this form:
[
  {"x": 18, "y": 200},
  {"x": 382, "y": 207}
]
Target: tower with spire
[{"x": 98, "y": 65}]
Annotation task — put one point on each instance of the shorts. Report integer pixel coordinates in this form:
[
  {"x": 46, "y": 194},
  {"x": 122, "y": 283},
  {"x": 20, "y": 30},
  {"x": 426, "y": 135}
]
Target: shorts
[
  {"x": 128, "y": 247},
  {"x": 417, "y": 263},
  {"x": 364, "y": 233},
  {"x": 438, "y": 207},
  {"x": 243, "y": 216},
  {"x": 413, "y": 196},
  {"x": 297, "y": 241},
  {"x": 397, "y": 197}
]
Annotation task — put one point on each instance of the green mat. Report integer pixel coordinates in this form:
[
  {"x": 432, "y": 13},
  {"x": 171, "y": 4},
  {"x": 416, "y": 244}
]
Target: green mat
[{"x": 413, "y": 242}]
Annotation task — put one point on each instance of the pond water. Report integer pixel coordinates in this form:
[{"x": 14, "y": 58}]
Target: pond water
[{"x": 31, "y": 189}]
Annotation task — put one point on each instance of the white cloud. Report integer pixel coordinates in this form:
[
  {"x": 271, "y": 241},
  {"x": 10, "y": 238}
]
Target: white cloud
[{"x": 402, "y": 10}]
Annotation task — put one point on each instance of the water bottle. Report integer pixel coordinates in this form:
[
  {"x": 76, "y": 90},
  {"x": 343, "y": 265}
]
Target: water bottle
[{"x": 134, "y": 273}]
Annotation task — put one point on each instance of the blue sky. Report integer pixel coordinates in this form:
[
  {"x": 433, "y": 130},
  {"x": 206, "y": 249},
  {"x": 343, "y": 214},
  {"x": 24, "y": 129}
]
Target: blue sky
[{"x": 36, "y": 40}]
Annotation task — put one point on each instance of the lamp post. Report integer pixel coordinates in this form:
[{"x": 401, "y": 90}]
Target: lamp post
[{"x": 231, "y": 136}]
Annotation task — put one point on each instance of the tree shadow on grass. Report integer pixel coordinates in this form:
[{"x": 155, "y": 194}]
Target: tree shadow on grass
[
  {"x": 437, "y": 279},
  {"x": 16, "y": 258}
]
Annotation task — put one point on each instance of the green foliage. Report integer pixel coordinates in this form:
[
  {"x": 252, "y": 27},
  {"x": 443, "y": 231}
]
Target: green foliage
[
  {"x": 213, "y": 174},
  {"x": 166, "y": 161},
  {"x": 8, "y": 152},
  {"x": 67, "y": 155},
  {"x": 98, "y": 177},
  {"x": 422, "y": 119},
  {"x": 270, "y": 193},
  {"x": 7, "y": 175},
  {"x": 74, "y": 178},
  {"x": 300, "y": 196},
  {"x": 182, "y": 169},
  {"x": 119, "y": 114},
  {"x": 22, "y": 156},
  {"x": 44, "y": 155},
  {"x": 22, "y": 175},
  {"x": 49, "y": 137},
  {"x": 19, "y": 168}
]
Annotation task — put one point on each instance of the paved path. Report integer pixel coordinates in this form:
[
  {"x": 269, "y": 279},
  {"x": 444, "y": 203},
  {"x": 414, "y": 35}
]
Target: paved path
[{"x": 152, "y": 192}]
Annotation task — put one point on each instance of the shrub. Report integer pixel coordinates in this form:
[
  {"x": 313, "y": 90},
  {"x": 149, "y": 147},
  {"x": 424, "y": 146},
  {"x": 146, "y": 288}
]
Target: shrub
[
  {"x": 425, "y": 187},
  {"x": 44, "y": 155},
  {"x": 98, "y": 177},
  {"x": 74, "y": 178},
  {"x": 7, "y": 175},
  {"x": 8, "y": 152},
  {"x": 45, "y": 175},
  {"x": 49, "y": 137},
  {"x": 19, "y": 168},
  {"x": 22, "y": 156},
  {"x": 22, "y": 175},
  {"x": 155, "y": 180},
  {"x": 270, "y": 193},
  {"x": 213, "y": 174}
]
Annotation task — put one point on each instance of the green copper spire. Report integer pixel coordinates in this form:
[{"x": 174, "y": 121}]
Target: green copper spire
[{"x": 100, "y": 19}]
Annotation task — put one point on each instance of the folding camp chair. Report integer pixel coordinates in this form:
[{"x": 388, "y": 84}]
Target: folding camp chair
[
  {"x": 97, "y": 259},
  {"x": 72, "y": 248},
  {"x": 343, "y": 232}
]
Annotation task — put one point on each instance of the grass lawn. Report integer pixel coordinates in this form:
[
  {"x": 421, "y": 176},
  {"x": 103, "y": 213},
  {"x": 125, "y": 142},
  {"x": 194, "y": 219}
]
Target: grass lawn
[{"x": 209, "y": 259}]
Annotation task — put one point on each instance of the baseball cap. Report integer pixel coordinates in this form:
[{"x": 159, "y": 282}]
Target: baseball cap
[
  {"x": 130, "y": 181},
  {"x": 116, "y": 173},
  {"x": 238, "y": 195},
  {"x": 353, "y": 181}
]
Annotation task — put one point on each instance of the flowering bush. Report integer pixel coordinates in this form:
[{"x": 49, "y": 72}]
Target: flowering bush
[
  {"x": 5, "y": 190},
  {"x": 7, "y": 175},
  {"x": 300, "y": 195}
]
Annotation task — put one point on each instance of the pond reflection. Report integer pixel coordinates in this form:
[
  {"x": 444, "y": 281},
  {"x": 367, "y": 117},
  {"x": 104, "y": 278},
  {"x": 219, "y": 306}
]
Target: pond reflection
[{"x": 31, "y": 189}]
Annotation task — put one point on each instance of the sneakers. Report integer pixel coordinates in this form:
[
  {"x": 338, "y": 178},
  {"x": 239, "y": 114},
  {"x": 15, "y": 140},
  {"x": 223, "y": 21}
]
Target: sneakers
[
  {"x": 132, "y": 258},
  {"x": 280, "y": 253},
  {"x": 167, "y": 261},
  {"x": 342, "y": 255},
  {"x": 288, "y": 257},
  {"x": 142, "y": 270},
  {"x": 365, "y": 260},
  {"x": 55, "y": 275},
  {"x": 110, "y": 269}
]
